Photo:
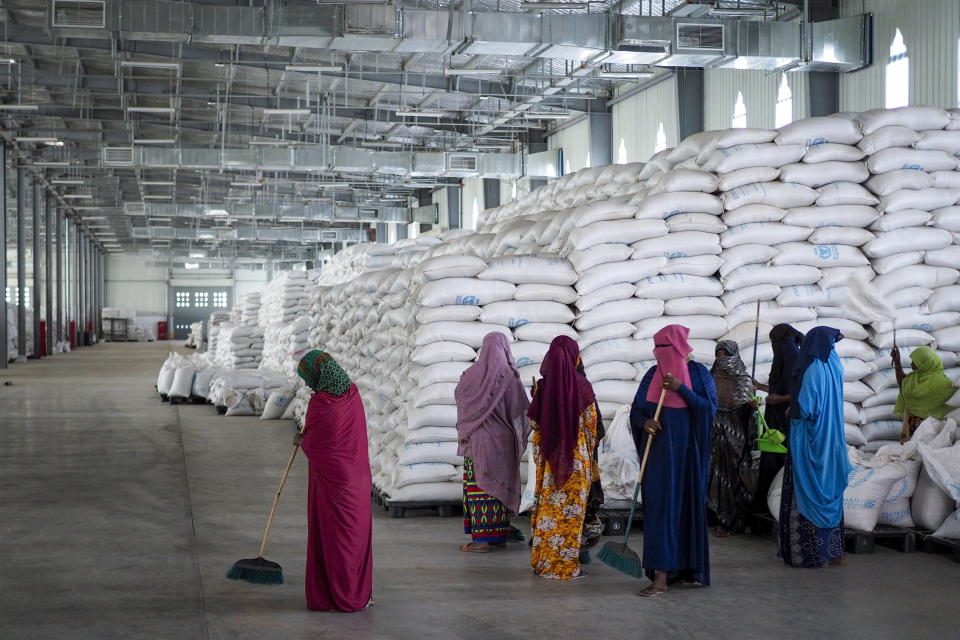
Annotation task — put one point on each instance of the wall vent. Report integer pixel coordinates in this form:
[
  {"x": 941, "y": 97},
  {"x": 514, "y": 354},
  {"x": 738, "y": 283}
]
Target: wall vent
[
  {"x": 118, "y": 156},
  {"x": 79, "y": 14},
  {"x": 461, "y": 162},
  {"x": 707, "y": 37}
]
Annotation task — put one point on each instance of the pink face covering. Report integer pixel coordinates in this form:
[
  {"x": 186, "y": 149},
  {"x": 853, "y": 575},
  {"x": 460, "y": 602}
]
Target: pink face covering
[{"x": 671, "y": 350}]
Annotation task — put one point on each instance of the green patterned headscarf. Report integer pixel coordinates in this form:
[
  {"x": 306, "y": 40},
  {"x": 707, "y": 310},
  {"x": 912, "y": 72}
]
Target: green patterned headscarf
[
  {"x": 924, "y": 392},
  {"x": 322, "y": 373}
]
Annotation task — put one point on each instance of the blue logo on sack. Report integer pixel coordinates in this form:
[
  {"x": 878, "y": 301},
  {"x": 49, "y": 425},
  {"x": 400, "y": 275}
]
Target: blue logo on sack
[
  {"x": 914, "y": 167},
  {"x": 812, "y": 142},
  {"x": 513, "y": 323},
  {"x": 522, "y": 362},
  {"x": 471, "y": 300}
]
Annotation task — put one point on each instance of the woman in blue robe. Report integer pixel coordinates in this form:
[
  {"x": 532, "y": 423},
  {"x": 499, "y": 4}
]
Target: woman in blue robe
[
  {"x": 816, "y": 468},
  {"x": 674, "y": 489}
]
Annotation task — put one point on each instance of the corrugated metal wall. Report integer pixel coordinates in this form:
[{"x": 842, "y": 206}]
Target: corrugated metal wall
[
  {"x": 930, "y": 28},
  {"x": 637, "y": 119},
  {"x": 760, "y": 89},
  {"x": 132, "y": 285},
  {"x": 575, "y": 142}
]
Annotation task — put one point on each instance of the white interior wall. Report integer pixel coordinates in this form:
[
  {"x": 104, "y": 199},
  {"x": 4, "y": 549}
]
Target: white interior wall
[
  {"x": 246, "y": 281},
  {"x": 760, "y": 90},
  {"x": 637, "y": 119},
  {"x": 575, "y": 142},
  {"x": 471, "y": 198},
  {"x": 439, "y": 198},
  {"x": 931, "y": 30},
  {"x": 131, "y": 284}
]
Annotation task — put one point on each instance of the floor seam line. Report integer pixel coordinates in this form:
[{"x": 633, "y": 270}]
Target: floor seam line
[{"x": 193, "y": 529}]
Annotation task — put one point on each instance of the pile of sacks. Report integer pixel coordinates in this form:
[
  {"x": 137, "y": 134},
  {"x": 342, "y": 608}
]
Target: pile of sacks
[
  {"x": 12, "y": 341},
  {"x": 247, "y": 312},
  {"x": 284, "y": 343},
  {"x": 239, "y": 347},
  {"x": 195, "y": 339},
  {"x": 285, "y": 298},
  {"x": 217, "y": 318}
]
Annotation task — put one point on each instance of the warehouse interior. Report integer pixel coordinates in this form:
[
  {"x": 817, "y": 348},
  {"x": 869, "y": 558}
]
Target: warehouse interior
[{"x": 197, "y": 194}]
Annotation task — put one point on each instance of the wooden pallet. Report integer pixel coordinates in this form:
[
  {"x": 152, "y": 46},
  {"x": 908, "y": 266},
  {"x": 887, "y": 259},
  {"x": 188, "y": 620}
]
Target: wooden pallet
[
  {"x": 221, "y": 410},
  {"x": 896, "y": 538},
  {"x": 441, "y": 509},
  {"x": 190, "y": 400},
  {"x": 930, "y": 543}
]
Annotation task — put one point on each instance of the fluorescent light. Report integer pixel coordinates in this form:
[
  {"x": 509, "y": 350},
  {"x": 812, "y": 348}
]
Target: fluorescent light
[
  {"x": 36, "y": 139},
  {"x": 51, "y": 163},
  {"x": 197, "y": 254},
  {"x": 146, "y": 64},
  {"x": 78, "y": 196},
  {"x": 627, "y": 75},
  {"x": 19, "y": 107},
  {"x": 556, "y": 115},
  {"x": 58, "y": 143},
  {"x": 314, "y": 68},
  {"x": 553, "y": 5},
  {"x": 471, "y": 72},
  {"x": 217, "y": 212},
  {"x": 422, "y": 114},
  {"x": 237, "y": 198},
  {"x": 492, "y": 147},
  {"x": 272, "y": 143},
  {"x": 381, "y": 143},
  {"x": 153, "y": 141},
  {"x": 7, "y": 61},
  {"x": 157, "y": 183},
  {"x": 246, "y": 184},
  {"x": 191, "y": 265},
  {"x": 156, "y": 196},
  {"x": 168, "y": 110},
  {"x": 286, "y": 112},
  {"x": 92, "y": 217},
  {"x": 66, "y": 181},
  {"x": 90, "y": 209},
  {"x": 332, "y": 185}
]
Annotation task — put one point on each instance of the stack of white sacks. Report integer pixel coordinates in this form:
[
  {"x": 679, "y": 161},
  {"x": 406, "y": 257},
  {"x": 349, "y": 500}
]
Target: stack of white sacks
[
  {"x": 217, "y": 318},
  {"x": 239, "y": 347},
  {"x": 195, "y": 339},
  {"x": 284, "y": 343},
  {"x": 250, "y": 309},
  {"x": 12, "y": 340},
  {"x": 285, "y": 298}
]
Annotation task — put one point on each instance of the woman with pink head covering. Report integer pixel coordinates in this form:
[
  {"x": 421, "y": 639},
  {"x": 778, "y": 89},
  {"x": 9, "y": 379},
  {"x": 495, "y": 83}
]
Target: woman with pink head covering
[
  {"x": 492, "y": 429},
  {"x": 674, "y": 489}
]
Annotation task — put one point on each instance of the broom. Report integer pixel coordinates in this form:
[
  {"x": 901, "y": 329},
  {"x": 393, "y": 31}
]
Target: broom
[
  {"x": 619, "y": 555},
  {"x": 259, "y": 570}
]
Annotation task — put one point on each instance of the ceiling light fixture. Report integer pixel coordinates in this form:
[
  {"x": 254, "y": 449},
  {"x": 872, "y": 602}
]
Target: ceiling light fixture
[
  {"x": 167, "y": 110},
  {"x": 158, "y": 183},
  {"x": 381, "y": 143},
  {"x": 271, "y": 143},
  {"x": 147, "y": 64},
  {"x": 66, "y": 181},
  {"x": 51, "y": 163},
  {"x": 36, "y": 139},
  {"x": 246, "y": 184},
  {"x": 217, "y": 212},
  {"x": 156, "y": 196},
  {"x": 539, "y": 115},
  {"x": 154, "y": 141},
  {"x": 7, "y": 61},
  {"x": 286, "y": 112},
  {"x": 19, "y": 107},
  {"x": 314, "y": 68},
  {"x": 422, "y": 114},
  {"x": 471, "y": 72},
  {"x": 535, "y": 6},
  {"x": 90, "y": 217},
  {"x": 78, "y": 196},
  {"x": 626, "y": 75}
]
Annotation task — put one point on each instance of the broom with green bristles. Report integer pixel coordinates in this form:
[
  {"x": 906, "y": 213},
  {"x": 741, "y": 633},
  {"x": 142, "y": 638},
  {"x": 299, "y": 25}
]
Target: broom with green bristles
[
  {"x": 619, "y": 555},
  {"x": 259, "y": 570}
]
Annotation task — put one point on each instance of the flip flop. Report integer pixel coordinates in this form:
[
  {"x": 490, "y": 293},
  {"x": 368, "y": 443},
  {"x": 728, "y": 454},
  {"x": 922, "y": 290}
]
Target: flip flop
[
  {"x": 468, "y": 549},
  {"x": 652, "y": 592}
]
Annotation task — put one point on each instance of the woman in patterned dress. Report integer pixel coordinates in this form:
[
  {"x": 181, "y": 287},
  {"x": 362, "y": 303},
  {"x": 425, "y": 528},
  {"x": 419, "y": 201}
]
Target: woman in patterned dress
[
  {"x": 816, "y": 468},
  {"x": 492, "y": 429},
  {"x": 564, "y": 421}
]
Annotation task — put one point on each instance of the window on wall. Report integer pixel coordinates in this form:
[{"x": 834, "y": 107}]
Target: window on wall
[
  {"x": 739, "y": 113},
  {"x": 897, "y": 89},
  {"x": 220, "y": 299},
  {"x": 11, "y": 296},
  {"x": 622, "y": 152},
  {"x": 201, "y": 299},
  {"x": 661, "y": 142},
  {"x": 183, "y": 299},
  {"x": 784, "y": 112}
]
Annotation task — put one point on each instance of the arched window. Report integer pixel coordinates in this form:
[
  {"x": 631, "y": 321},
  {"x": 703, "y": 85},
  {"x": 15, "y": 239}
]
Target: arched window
[
  {"x": 661, "y": 142},
  {"x": 739, "y": 113},
  {"x": 784, "y": 112},
  {"x": 622, "y": 152},
  {"x": 898, "y": 74}
]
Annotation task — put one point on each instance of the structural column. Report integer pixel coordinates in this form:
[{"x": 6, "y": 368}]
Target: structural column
[
  {"x": 21, "y": 265},
  {"x": 58, "y": 224},
  {"x": 690, "y": 97},
  {"x": 491, "y": 193},
  {"x": 48, "y": 230},
  {"x": 35, "y": 246},
  {"x": 4, "y": 356},
  {"x": 600, "y": 125},
  {"x": 78, "y": 277},
  {"x": 454, "y": 215}
]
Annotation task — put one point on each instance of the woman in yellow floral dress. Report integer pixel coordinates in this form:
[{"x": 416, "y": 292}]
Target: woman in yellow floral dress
[{"x": 564, "y": 420}]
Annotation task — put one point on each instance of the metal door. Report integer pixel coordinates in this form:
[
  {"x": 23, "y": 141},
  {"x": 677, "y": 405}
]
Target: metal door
[{"x": 195, "y": 304}]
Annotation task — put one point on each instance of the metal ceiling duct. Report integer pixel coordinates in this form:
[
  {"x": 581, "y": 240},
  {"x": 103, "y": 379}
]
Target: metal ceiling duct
[{"x": 838, "y": 45}]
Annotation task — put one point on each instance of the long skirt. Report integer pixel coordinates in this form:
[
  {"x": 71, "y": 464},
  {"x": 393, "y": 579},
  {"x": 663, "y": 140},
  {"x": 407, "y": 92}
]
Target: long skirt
[
  {"x": 801, "y": 543},
  {"x": 731, "y": 468},
  {"x": 484, "y": 517}
]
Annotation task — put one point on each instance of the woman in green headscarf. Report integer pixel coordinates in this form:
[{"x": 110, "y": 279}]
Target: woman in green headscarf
[
  {"x": 339, "y": 518},
  {"x": 923, "y": 392}
]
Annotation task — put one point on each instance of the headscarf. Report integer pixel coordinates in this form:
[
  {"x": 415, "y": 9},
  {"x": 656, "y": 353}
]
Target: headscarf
[
  {"x": 322, "y": 373},
  {"x": 483, "y": 384},
  {"x": 561, "y": 398},
  {"x": 786, "y": 349},
  {"x": 671, "y": 350},
  {"x": 734, "y": 385},
  {"x": 816, "y": 345},
  {"x": 925, "y": 391}
]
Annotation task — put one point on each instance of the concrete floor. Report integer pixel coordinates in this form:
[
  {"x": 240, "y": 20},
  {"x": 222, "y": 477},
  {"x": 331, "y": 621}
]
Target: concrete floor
[{"x": 119, "y": 515}]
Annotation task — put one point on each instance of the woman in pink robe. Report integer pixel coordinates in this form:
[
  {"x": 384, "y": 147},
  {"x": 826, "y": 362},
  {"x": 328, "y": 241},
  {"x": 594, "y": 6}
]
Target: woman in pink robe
[{"x": 339, "y": 520}]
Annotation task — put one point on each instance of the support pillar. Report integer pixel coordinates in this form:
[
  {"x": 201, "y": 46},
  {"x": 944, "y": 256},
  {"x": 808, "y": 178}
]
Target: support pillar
[
  {"x": 61, "y": 316},
  {"x": 381, "y": 232},
  {"x": 601, "y": 137},
  {"x": 21, "y": 265},
  {"x": 38, "y": 200},
  {"x": 454, "y": 213},
  {"x": 690, "y": 98},
  {"x": 49, "y": 228},
  {"x": 491, "y": 193},
  {"x": 4, "y": 356}
]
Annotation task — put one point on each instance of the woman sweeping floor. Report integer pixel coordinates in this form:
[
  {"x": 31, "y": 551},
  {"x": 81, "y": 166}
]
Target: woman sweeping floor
[
  {"x": 492, "y": 428},
  {"x": 816, "y": 468},
  {"x": 674, "y": 489},
  {"x": 564, "y": 423},
  {"x": 785, "y": 341},
  {"x": 731, "y": 441},
  {"x": 923, "y": 392},
  {"x": 339, "y": 520}
]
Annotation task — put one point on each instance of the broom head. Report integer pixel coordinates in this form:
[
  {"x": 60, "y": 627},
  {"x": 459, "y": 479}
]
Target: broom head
[
  {"x": 621, "y": 557},
  {"x": 256, "y": 571}
]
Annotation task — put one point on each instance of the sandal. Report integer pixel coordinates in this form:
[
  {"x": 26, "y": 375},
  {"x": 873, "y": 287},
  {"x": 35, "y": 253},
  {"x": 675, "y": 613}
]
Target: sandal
[
  {"x": 652, "y": 591},
  {"x": 516, "y": 535},
  {"x": 469, "y": 548}
]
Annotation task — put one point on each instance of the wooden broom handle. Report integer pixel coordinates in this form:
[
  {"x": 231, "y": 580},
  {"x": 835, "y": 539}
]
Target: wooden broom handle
[
  {"x": 646, "y": 449},
  {"x": 276, "y": 498}
]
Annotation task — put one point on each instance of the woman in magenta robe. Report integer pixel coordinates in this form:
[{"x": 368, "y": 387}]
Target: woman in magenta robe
[{"x": 339, "y": 521}]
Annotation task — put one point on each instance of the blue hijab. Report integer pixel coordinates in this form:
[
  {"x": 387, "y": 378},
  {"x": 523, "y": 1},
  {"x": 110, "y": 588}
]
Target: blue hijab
[{"x": 817, "y": 443}]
